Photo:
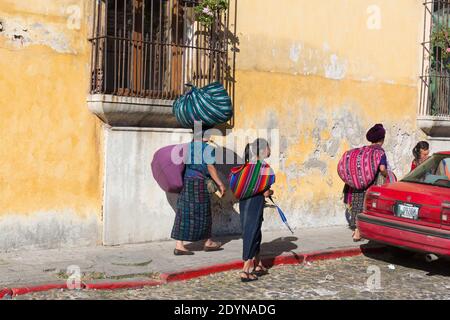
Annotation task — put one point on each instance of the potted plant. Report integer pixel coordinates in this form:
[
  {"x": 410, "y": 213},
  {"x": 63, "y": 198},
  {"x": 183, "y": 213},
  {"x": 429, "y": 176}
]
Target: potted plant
[
  {"x": 207, "y": 10},
  {"x": 439, "y": 71}
]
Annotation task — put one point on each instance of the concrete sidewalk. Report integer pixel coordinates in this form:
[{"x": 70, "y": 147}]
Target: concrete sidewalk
[{"x": 146, "y": 261}]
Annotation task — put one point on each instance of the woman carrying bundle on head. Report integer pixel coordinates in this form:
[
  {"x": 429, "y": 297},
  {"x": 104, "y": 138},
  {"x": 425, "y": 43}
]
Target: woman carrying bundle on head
[
  {"x": 193, "y": 220},
  {"x": 252, "y": 196}
]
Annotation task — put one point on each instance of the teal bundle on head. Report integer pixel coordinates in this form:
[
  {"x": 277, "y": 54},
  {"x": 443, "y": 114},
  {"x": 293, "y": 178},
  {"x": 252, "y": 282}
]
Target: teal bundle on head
[{"x": 210, "y": 105}]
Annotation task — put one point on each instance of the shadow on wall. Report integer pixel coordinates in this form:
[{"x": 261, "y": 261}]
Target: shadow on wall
[{"x": 226, "y": 219}]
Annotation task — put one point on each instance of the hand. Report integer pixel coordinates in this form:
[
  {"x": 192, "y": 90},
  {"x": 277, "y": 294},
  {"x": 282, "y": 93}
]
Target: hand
[
  {"x": 268, "y": 193},
  {"x": 222, "y": 189}
]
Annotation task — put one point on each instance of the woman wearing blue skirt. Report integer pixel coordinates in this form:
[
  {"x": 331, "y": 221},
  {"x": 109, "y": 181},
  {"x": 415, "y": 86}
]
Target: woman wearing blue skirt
[
  {"x": 193, "y": 220},
  {"x": 251, "y": 213}
]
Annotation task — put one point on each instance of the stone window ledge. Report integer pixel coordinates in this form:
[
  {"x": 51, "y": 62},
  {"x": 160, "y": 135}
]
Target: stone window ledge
[
  {"x": 435, "y": 126},
  {"x": 119, "y": 111}
]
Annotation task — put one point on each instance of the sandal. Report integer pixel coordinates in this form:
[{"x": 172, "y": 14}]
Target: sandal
[
  {"x": 248, "y": 277},
  {"x": 182, "y": 252},
  {"x": 261, "y": 272},
  {"x": 216, "y": 247}
]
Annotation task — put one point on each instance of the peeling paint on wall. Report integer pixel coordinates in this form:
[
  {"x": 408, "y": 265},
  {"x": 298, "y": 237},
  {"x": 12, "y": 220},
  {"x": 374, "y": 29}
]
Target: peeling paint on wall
[
  {"x": 51, "y": 168},
  {"x": 20, "y": 33},
  {"x": 336, "y": 68},
  {"x": 47, "y": 230},
  {"x": 294, "y": 54}
]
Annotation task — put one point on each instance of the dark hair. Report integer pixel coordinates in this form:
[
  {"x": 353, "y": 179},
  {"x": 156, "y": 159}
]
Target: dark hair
[
  {"x": 256, "y": 147},
  {"x": 422, "y": 145}
]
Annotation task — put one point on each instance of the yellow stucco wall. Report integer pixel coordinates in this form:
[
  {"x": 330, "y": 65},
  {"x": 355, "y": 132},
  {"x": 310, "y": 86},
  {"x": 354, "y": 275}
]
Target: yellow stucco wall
[
  {"x": 322, "y": 73},
  {"x": 51, "y": 144}
]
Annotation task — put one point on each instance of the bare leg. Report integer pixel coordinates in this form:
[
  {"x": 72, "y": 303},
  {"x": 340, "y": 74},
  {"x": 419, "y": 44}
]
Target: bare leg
[
  {"x": 258, "y": 265},
  {"x": 356, "y": 235},
  {"x": 247, "y": 269},
  {"x": 180, "y": 246},
  {"x": 210, "y": 243}
]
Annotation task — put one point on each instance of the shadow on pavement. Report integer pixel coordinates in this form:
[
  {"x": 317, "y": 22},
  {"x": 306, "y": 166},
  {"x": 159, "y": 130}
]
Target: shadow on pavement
[
  {"x": 277, "y": 247},
  {"x": 198, "y": 246},
  {"x": 408, "y": 259}
]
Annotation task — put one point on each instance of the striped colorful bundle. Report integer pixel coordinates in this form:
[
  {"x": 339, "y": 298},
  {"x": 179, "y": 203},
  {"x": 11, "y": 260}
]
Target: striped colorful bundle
[
  {"x": 251, "y": 179},
  {"x": 210, "y": 105},
  {"x": 358, "y": 167}
]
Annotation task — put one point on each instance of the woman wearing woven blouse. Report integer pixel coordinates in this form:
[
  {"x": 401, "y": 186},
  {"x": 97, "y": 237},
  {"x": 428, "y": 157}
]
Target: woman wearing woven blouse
[
  {"x": 193, "y": 220},
  {"x": 376, "y": 136}
]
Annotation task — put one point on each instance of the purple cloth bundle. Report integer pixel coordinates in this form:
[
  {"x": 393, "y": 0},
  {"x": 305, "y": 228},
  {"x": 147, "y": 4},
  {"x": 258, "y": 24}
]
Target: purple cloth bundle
[{"x": 168, "y": 167}]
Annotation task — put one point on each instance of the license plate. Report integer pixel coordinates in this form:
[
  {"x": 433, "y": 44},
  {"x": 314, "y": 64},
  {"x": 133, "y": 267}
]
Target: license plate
[{"x": 407, "y": 211}]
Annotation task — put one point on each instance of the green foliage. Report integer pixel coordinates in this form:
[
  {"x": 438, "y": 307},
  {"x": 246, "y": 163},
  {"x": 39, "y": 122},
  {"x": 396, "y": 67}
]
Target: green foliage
[
  {"x": 207, "y": 10},
  {"x": 440, "y": 39}
]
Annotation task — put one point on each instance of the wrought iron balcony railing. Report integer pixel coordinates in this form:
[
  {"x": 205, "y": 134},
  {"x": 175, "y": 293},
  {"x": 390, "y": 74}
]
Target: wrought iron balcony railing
[{"x": 152, "y": 48}]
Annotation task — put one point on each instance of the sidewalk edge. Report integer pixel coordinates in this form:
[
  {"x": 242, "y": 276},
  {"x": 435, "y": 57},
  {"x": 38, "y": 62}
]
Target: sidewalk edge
[{"x": 287, "y": 259}]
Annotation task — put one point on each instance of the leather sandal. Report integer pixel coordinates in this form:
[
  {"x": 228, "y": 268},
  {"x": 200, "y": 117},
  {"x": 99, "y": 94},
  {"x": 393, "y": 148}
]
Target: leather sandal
[
  {"x": 182, "y": 252},
  {"x": 216, "y": 247},
  {"x": 248, "y": 278},
  {"x": 261, "y": 272}
]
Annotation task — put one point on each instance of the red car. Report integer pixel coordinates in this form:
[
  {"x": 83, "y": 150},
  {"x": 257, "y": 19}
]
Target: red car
[{"x": 413, "y": 213}]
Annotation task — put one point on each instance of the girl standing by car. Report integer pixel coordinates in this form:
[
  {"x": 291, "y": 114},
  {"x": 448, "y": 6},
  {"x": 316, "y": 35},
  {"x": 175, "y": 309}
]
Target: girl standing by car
[
  {"x": 251, "y": 213},
  {"x": 421, "y": 153}
]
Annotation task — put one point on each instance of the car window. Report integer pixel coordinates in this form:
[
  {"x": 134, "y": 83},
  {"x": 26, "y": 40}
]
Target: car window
[
  {"x": 443, "y": 168},
  {"x": 434, "y": 171}
]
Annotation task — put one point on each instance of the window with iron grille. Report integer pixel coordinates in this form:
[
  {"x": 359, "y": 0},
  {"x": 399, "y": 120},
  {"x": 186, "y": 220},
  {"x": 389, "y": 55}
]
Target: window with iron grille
[
  {"x": 435, "y": 79},
  {"x": 152, "y": 48}
]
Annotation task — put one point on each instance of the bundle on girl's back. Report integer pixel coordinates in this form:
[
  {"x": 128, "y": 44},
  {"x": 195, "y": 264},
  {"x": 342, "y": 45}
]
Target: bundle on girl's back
[{"x": 251, "y": 179}]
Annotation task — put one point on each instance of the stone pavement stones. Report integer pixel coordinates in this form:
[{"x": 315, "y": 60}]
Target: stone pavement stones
[
  {"x": 144, "y": 261},
  {"x": 344, "y": 278}
]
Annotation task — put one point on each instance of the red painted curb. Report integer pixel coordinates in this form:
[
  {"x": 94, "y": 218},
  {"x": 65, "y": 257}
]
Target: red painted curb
[
  {"x": 122, "y": 285},
  {"x": 292, "y": 258},
  {"x": 46, "y": 287},
  {"x": 204, "y": 271},
  {"x": 4, "y": 292},
  {"x": 288, "y": 259},
  {"x": 331, "y": 254}
]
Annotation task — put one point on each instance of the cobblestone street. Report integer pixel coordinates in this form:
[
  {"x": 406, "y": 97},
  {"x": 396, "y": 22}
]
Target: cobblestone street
[{"x": 401, "y": 277}]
